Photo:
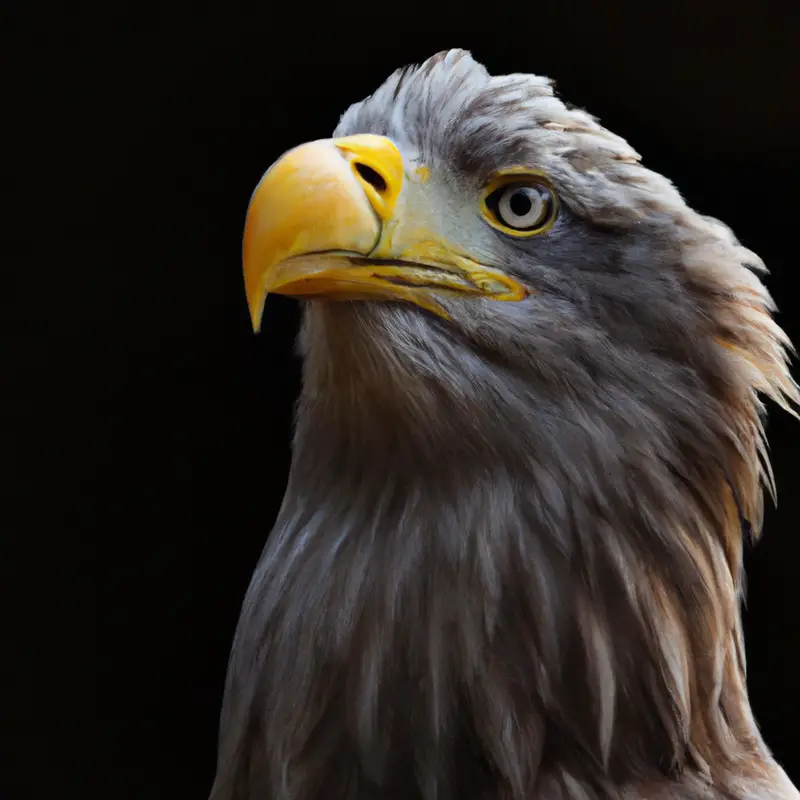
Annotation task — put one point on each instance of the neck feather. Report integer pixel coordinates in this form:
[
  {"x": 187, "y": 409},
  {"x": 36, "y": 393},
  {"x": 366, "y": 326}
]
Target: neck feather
[{"x": 449, "y": 583}]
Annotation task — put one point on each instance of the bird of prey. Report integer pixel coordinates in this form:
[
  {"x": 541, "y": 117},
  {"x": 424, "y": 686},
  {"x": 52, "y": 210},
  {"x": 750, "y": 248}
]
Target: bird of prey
[{"x": 528, "y": 449}]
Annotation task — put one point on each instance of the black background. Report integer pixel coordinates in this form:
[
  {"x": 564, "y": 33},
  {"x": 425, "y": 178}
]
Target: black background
[{"x": 150, "y": 429}]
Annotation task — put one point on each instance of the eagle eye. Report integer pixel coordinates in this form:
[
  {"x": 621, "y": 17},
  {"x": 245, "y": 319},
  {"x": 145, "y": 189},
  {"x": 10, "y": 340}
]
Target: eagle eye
[{"x": 520, "y": 206}]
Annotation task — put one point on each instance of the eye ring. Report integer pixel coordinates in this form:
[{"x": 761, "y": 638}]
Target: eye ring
[{"x": 520, "y": 204}]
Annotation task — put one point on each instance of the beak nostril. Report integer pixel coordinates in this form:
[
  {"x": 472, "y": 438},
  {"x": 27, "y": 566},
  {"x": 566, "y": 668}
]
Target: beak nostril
[{"x": 371, "y": 176}]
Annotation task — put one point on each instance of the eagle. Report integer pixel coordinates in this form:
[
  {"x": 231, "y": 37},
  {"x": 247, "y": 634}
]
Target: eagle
[{"x": 528, "y": 450}]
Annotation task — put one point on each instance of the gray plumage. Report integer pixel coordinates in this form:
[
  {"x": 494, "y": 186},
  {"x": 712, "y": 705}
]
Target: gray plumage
[{"x": 508, "y": 564}]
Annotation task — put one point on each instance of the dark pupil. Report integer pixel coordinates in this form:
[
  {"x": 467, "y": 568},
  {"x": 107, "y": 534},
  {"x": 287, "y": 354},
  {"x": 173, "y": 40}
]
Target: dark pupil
[{"x": 520, "y": 203}]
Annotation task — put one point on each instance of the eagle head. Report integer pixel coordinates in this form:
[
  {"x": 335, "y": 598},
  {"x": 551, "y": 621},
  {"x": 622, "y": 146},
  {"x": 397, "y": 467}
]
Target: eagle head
[{"x": 508, "y": 563}]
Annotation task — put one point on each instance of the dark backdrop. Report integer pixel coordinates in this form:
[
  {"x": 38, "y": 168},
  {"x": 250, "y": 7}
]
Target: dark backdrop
[{"x": 150, "y": 429}]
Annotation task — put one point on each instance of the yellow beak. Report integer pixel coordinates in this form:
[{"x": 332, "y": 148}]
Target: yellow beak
[{"x": 321, "y": 221}]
